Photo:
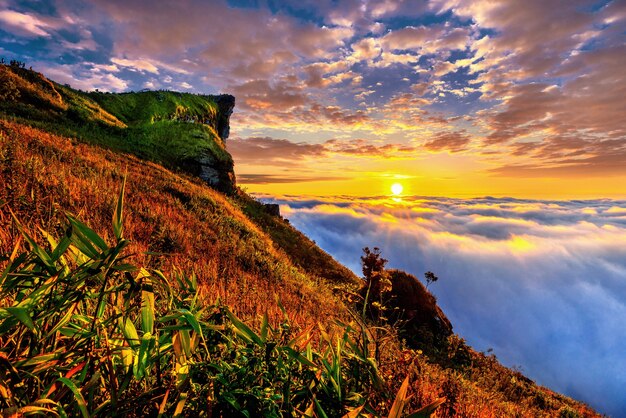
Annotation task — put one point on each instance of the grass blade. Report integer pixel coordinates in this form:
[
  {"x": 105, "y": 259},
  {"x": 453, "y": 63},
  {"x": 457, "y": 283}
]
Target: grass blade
[
  {"x": 22, "y": 315},
  {"x": 243, "y": 330},
  {"x": 80, "y": 401},
  {"x": 428, "y": 410},
  {"x": 118, "y": 215},
  {"x": 398, "y": 403}
]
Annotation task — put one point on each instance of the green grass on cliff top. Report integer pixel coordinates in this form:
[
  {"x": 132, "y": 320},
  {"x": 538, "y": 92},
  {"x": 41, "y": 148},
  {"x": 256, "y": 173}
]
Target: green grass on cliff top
[{"x": 154, "y": 125}]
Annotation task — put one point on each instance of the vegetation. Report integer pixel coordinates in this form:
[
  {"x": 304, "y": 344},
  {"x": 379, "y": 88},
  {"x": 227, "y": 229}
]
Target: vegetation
[
  {"x": 198, "y": 302},
  {"x": 85, "y": 332},
  {"x": 176, "y": 130}
]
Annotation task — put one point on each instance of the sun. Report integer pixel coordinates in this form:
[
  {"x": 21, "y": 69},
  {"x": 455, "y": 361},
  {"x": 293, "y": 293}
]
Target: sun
[{"x": 396, "y": 189}]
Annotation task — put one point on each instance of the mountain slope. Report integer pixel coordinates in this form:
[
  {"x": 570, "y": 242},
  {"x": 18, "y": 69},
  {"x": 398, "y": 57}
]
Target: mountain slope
[
  {"x": 240, "y": 254},
  {"x": 177, "y": 130}
]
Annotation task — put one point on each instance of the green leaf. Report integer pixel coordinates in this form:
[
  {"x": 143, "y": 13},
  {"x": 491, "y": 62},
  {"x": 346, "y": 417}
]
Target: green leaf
[
  {"x": 35, "y": 248},
  {"x": 320, "y": 410},
  {"x": 64, "y": 320},
  {"x": 129, "y": 331},
  {"x": 84, "y": 238},
  {"x": 243, "y": 330},
  {"x": 118, "y": 215},
  {"x": 141, "y": 363},
  {"x": 264, "y": 327},
  {"x": 80, "y": 401},
  {"x": 299, "y": 357},
  {"x": 147, "y": 302},
  {"x": 22, "y": 314},
  {"x": 191, "y": 320}
]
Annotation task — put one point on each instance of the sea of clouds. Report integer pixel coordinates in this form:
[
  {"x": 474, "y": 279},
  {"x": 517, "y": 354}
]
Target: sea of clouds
[{"x": 543, "y": 283}]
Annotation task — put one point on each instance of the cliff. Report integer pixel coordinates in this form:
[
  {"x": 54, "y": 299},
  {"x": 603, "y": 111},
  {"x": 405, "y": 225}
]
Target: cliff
[{"x": 181, "y": 131}]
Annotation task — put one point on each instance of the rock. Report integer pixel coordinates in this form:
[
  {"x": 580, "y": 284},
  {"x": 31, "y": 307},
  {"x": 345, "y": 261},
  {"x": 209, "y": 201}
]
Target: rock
[
  {"x": 225, "y": 104},
  {"x": 272, "y": 209}
]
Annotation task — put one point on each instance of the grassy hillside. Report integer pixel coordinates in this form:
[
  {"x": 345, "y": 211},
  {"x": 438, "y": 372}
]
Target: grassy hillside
[
  {"x": 96, "y": 319},
  {"x": 176, "y": 130}
]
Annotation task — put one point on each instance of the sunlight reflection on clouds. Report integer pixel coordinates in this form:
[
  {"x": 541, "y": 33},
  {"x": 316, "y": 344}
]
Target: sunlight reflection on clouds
[{"x": 541, "y": 282}]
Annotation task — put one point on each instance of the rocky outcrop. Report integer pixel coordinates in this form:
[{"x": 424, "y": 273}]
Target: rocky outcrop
[
  {"x": 417, "y": 309},
  {"x": 272, "y": 209},
  {"x": 225, "y": 104},
  {"x": 217, "y": 171}
]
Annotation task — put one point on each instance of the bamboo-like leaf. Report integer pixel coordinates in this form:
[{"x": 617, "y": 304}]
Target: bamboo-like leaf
[
  {"x": 35, "y": 248},
  {"x": 243, "y": 330},
  {"x": 64, "y": 320},
  {"x": 191, "y": 320},
  {"x": 84, "y": 238},
  {"x": 354, "y": 413},
  {"x": 399, "y": 402},
  {"x": 80, "y": 401},
  {"x": 141, "y": 362},
  {"x": 299, "y": 357},
  {"x": 182, "y": 399},
  {"x": 118, "y": 215},
  {"x": 129, "y": 331},
  {"x": 59, "y": 246},
  {"x": 12, "y": 257},
  {"x": 22, "y": 314},
  {"x": 147, "y": 302},
  {"x": 37, "y": 360},
  {"x": 319, "y": 409},
  {"x": 428, "y": 410}
]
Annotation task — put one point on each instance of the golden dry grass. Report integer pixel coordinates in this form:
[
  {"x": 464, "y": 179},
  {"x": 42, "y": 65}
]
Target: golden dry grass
[{"x": 175, "y": 222}]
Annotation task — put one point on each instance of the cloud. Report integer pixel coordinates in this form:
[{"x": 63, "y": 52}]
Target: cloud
[
  {"x": 136, "y": 65},
  {"x": 541, "y": 282},
  {"x": 85, "y": 77},
  {"x": 366, "y": 49},
  {"x": 267, "y": 150},
  {"x": 451, "y": 141},
  {"x": 282, "y": 152},
  {"x": 272, "y": 179},
  {"x": 24, "y": 24}
]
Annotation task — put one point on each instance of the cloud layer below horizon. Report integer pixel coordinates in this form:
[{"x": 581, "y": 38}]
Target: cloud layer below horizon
[{"x": 543, "y": 283}]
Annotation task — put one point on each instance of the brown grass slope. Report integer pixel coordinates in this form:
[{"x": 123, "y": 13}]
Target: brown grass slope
[{"x": 176, "y": 222}]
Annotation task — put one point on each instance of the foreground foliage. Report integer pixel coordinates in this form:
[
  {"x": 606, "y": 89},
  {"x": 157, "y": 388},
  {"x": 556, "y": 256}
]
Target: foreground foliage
[{"x": 83, "y": 331}]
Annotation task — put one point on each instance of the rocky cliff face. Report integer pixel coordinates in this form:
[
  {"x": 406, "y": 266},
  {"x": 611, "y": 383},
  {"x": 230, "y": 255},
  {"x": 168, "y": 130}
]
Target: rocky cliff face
[
  {"x": 218, "y": 172},
  {"x": 225, "y": 104}
]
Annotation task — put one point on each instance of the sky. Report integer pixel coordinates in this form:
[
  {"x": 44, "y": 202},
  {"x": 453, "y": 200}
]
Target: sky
[
  {"x": 450, "y": 97},
  {"x": 508, "y": 117}
]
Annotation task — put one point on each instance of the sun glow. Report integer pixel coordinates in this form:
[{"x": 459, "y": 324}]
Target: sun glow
[{"x": 396, "y": 189}]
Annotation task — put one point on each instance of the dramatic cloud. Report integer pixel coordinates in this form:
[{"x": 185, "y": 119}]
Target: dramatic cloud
[
  {"x": 270, "y": 151},
  {"x": 27, "y": 25},
  {"x": 526, "y": 89},
  {"x": 543, "y": 283}
]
